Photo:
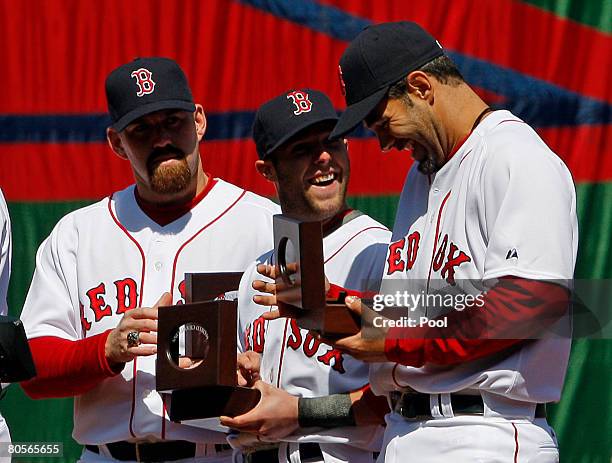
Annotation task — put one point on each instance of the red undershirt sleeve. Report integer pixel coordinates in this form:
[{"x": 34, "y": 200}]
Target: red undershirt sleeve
[
  {"x": 336, "y": 291},
  {"x": 514, "y": 310},
  {"x": 68, "y": 368}
]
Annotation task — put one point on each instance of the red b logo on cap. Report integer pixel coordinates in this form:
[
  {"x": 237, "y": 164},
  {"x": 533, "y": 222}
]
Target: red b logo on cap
[
  {"x": 144, "y": 81},
  {"x": 301, "y": 102}
]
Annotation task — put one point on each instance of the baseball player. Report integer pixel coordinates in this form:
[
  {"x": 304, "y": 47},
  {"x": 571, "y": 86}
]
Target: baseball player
[
  {"x": 5, "y": 274},
  {"x": 485, "y": 200},
  {"x": 311, "y": 174},
  {"x": 102, "y": 274}
]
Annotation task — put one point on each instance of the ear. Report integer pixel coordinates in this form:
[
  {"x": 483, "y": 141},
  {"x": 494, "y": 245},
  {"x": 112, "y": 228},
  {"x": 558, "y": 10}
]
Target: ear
[
  {"x": 200, "y": 121},
  {"x": 115, "y": 142},
  {"x": 266, "y": 170},
  {"x": 420, "y": 85}
]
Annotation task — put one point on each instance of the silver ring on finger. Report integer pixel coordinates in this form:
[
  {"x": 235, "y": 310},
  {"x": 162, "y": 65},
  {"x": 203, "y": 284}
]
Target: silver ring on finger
[{"x": 133, "y": 339}]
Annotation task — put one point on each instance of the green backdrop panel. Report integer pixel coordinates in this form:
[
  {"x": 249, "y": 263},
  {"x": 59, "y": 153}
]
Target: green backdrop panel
[
  {"x": 583, "y": 419},
  {"x": 595, "y": 13}
]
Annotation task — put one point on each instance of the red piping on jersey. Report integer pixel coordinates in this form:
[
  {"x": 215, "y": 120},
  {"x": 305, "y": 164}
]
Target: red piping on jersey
[
  {"x": 466, "y": 155},
  {"x": 282, "y": 355},
  {"x": 133, "y": 410},
  {"x": 433, "y": 253},
  {"x": 516, "y": 444},
  {"x": 164, "y": 215},
  {"x": 142, "y": 255},
  {"x": 349, "y": 240},
  {"x": 197, "y": 233},
  {"x": 142, "y": 280}
]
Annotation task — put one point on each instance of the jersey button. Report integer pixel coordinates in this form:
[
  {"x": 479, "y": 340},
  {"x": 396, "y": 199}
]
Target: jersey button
[{"x": 158, "y": 266}]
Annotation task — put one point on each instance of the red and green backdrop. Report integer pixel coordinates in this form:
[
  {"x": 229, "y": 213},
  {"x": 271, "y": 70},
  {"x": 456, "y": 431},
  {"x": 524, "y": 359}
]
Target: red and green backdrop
[{"x": 548, "y": 61}]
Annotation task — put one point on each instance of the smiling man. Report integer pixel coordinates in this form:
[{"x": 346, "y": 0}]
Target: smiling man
[
  {"x": 91, "y": 312},
  {"x": 487, "y": 210},
  {"x": 307, "y": 383}
]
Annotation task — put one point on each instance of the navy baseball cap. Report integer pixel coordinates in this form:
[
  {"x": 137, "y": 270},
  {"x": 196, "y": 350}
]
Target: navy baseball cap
[
  {"x": 279, "y": 119},
  {"x": 378, "y": 57},
  {"x": 143, "y": 86}
]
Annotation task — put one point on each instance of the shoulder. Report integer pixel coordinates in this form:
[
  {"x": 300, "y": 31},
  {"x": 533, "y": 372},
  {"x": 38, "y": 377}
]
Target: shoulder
[
  {"x": 362, "y": 236},
  {"x": 366, "y": 229},
  {"x": 513, "y": 148},
  {"x": 91, "y": 217},
  {"x": 250, "y": 199}
]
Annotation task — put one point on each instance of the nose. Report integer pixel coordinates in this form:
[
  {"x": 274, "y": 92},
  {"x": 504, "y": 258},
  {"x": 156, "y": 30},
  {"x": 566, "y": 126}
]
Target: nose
[
  {"x": 162, "y": 138},
  {"x": 324, "y": 157}
]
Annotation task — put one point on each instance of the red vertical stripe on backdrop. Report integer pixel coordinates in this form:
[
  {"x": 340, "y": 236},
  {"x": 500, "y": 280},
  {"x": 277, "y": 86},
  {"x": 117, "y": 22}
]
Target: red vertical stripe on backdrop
[{"x": 509, "y": 33}]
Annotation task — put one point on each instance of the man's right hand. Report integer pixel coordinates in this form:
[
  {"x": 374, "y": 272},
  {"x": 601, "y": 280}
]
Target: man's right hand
[
  {"x": 271, "y": 289},
  {"x": 142, "y": 320}
]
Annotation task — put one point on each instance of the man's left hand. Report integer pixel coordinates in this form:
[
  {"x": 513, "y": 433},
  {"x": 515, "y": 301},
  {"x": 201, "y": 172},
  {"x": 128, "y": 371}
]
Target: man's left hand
[{"x": 274, "y": 417}]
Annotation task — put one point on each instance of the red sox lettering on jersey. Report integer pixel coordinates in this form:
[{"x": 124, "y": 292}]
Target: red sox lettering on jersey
[
  {"x": 301, "y": 102},
  {"x": 80, "y": 294},
  {"x": 403, "y": 254},
  {"x": 292, "y": 358},
  {"x": 123, "y": 296},
  {"x": 144, "y": 80},
  {"x": 255, "y": 339}
]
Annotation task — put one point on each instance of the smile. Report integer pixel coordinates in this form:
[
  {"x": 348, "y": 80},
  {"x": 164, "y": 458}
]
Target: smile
[{"x": 324, "y": 179}]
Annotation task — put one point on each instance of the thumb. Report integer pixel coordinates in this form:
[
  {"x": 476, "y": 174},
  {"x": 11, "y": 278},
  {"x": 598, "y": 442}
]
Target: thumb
[
  {"x": 164, "y": 300},
  {"x": 353, "y": 303}
]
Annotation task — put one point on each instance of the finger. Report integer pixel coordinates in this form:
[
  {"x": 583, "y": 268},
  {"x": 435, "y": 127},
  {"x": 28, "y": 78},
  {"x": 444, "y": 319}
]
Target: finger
[
  {"x": 241, "y": 422},
  {"x": 264, "y": 300},
  {"x": 148, "y": 338},
  {"x": 344, "y": 344},
  {"x": 264, "y": 286},
  {"x": 354, "y": 304},
  {"x": 140, "y": 325},
  {"x": 141, "y": 313},
  {"x": 262, "y": 387},
  {"x": 143, "y": 350},
  {"x": 164, "y": 300},
  {"x": 267, "y": 270},
  {"x": 272, "y": 315}
]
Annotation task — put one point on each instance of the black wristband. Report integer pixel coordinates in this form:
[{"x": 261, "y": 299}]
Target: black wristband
[{"x": 330, "y": 411}]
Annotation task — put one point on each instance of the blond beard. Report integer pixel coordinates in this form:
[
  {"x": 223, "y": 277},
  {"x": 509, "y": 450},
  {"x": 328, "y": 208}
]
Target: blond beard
[{"x": 170, "y": 179}]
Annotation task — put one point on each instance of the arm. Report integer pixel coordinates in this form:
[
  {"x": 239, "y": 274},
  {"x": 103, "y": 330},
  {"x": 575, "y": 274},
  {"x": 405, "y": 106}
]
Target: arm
[
  {"x": 66, "y": 368},
  {"x": 280, "y": 414},
  {"x": 514, "y": 310}
]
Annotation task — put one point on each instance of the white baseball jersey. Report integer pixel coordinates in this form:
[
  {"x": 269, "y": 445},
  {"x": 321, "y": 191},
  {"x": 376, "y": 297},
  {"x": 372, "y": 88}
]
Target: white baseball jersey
[
  {"x": 303, "y": 366},
  {"x": 110, "y": 257},
  {"x": 5, "y": 274},
  {"x": 504, "y": 204}
]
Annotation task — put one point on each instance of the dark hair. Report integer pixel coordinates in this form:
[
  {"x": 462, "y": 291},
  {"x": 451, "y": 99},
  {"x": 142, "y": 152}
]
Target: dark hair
[{"x": 442, "y": 68}]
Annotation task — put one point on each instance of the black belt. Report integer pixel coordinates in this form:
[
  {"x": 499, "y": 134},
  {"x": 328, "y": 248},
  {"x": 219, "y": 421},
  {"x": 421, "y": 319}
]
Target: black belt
[
  {"x": 308, "y": 451},
  {"x": 417, "y": 406},
  {"x": 153, "y": 451}
]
